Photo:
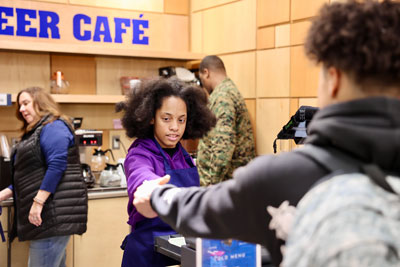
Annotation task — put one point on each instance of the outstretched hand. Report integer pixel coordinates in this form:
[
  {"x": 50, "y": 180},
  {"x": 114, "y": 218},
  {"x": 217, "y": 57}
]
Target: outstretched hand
[
  {"x": 282, "y": 219},
  {"x": 142, "y": 195}
]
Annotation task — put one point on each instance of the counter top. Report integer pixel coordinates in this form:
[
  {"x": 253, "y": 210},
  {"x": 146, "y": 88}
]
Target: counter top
[
  {"x": 93, "y": 193},
  {"x": 107, "y": 192}
]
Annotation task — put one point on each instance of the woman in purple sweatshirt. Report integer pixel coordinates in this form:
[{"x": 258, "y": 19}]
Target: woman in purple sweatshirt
[{"x": 159, "y": 113}]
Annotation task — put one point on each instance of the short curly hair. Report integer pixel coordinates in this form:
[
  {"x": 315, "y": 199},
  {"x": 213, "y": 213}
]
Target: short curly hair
[
  {"x": 143, "y": 102},
  {"x": 362, "y": 39}
]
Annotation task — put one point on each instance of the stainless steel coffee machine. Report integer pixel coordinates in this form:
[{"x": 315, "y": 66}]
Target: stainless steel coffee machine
[{"x": 86, "y": 140}]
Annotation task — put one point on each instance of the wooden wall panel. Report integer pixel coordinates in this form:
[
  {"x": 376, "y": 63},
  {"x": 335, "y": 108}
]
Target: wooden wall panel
[
  {"x": 19, "y": 70},
  {"x": 8, "y": 119},
  {"x": 95, "y": 116},
  {"x": 19, "y": 253},
  {"x": 107, "y": 228},
  {"x": 164, "y": 33},
  {"x": 110, "y": 69},
  {"x": 271, "y": 12},
  {"x": 70, "y": 253},
  {"x": 298, "y": 32},
  {"x": 79, "y": 71},
  {"x": 3, "y": 245},
  {"x": 3, "y": 250},
  {"x": 106, "y": 143},
  {"x": 54, "y": 1},
  {"x": 272, "y": 114},
  {"x": 303, "y": 74},
  {"x": 197, "y": 5},
  {"x": 3, "y": 220},
  {"x": 283, "y": 145},
  {"x": 308, "y": 102},
  {"x": 294, "y": 106},
  {"x": 296, "y": 103},
  {"x": 195, "y": 64},
  {"x": 142, "y": 5},
  {"x": 119, "y": 153},
  {"x": 241, "y": 68},
  {"x": 190, "y": 145},
  {"x": 180, "y": 7},
  {"x": 302, "y": 9},
  {"x": 196, "y": 32},
  {"x": 229, "y": 29},
  {"x": 266, "y": 38},
  {"x": 273, "y": 72},
  {"x": 282, "y": 35}
]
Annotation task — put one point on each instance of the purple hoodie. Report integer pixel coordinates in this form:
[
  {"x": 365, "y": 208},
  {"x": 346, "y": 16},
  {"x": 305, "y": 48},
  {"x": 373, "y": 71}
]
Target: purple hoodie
[{"x": 145, "y": 162}]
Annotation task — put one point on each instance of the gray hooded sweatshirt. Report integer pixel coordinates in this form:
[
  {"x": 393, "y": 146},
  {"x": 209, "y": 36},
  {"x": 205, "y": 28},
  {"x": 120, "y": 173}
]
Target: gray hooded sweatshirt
[{"x": 366, "y": 129}]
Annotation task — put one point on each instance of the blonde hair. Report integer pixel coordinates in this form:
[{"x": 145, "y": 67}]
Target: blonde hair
[{"x": 43, "y": 104}]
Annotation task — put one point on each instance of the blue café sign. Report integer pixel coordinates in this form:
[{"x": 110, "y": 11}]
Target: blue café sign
[{"x": 48, "y": 26}]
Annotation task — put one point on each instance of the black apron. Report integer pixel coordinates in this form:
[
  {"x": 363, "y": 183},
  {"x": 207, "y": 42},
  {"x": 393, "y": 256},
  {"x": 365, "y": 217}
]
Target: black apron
[{"x": 139, "y": 245}]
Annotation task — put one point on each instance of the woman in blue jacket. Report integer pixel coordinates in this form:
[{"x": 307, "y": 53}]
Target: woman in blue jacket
[{"x": 50, "y": 196}]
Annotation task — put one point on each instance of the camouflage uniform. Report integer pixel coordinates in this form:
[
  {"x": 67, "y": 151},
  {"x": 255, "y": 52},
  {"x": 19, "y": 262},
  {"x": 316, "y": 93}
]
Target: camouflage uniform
[
  {"x": 231, "y": 143},
  {"x": 346, "y": 221}
]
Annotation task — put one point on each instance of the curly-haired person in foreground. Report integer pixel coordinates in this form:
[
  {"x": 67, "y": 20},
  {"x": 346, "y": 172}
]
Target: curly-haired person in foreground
[
  {"x": 159, "y": 113},
  {"x": 357, "y": 46}
]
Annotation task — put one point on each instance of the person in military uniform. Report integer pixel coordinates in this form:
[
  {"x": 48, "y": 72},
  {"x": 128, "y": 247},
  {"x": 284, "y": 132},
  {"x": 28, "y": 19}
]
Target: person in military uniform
[{"x": 231, "y": 143}]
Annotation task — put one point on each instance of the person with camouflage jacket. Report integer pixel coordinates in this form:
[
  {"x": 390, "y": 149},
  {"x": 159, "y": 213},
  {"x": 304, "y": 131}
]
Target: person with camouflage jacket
[{"x": 231, "y": 143}]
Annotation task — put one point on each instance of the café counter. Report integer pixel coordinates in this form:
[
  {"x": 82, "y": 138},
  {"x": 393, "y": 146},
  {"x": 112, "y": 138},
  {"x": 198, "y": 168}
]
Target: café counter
[{"x": 99, "y": 246}]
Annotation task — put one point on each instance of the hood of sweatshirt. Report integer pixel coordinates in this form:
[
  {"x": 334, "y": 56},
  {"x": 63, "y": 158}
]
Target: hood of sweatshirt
[{"x": 367, "y": 129}]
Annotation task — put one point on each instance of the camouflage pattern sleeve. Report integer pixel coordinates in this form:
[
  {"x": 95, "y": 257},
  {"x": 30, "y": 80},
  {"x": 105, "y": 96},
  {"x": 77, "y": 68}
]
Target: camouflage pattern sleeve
[
  {"x": 344, "y": 221},
  {"x": 230, "y": 144},
  {"x": 216, "y": 149}
]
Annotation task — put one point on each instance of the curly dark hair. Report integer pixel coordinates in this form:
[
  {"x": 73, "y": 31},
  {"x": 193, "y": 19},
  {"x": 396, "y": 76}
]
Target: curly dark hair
[
  {"x": 142, "y": 103},
  {"x": 362, "y": 39}
]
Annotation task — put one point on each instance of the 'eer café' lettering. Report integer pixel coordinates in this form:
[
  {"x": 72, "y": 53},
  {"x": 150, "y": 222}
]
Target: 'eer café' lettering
[{"x": 82, "y": 26}]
